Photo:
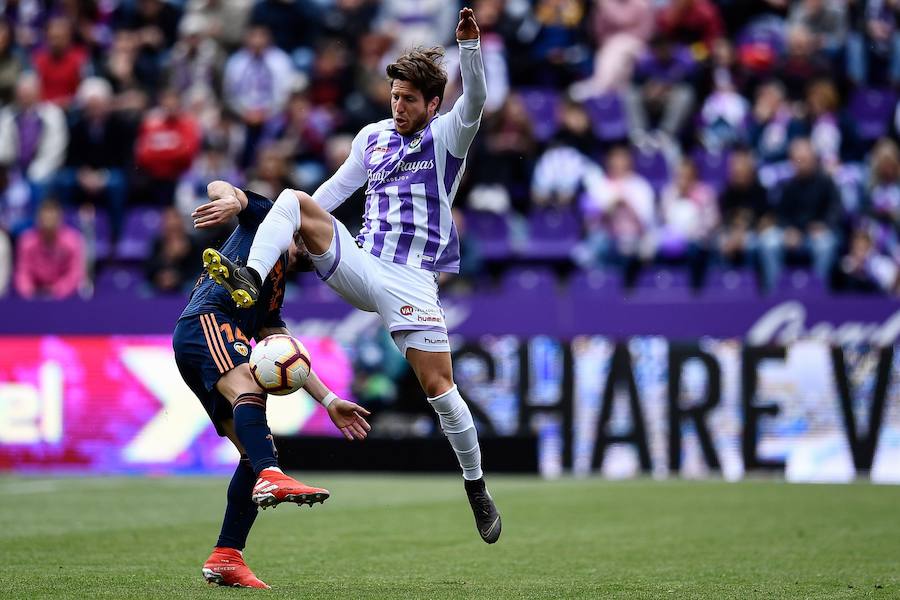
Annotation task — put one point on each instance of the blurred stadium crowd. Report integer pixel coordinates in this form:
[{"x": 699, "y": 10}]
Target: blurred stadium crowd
[{"x": 747, "y": 140}]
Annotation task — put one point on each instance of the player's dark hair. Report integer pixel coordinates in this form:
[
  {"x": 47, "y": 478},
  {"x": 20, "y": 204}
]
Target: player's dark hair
[{"x": 423, "y": 68}]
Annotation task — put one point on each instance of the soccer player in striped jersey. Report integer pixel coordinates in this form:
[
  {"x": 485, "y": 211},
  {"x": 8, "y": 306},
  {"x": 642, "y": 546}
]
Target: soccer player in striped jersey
[
  {"x": 212, "y": 348},
  {"x": 411, "y": 165}
]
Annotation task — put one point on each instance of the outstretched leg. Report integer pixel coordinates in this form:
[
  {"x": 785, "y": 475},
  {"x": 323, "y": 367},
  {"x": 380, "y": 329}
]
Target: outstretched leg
[
  {"x": 435, "y": 373},
  {"x": 293, "y": 211}
]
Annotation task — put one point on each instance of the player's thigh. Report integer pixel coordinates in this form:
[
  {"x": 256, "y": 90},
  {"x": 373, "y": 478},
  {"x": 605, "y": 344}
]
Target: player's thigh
[
  {"x": 315, "y": 224},
  {"x": 204, "y": 353},
  {"x": 346, "y": 268},
  {"x": 407, "y": 298}
]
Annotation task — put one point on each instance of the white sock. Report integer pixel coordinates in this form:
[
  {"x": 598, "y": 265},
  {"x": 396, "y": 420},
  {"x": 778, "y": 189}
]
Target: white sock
[
  {"x": 459, "y": 427},
  {"x": 274, "y": 235}
]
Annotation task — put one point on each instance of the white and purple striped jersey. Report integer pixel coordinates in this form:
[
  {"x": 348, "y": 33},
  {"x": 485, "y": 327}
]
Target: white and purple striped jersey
[{"x": 411, "y": 181}]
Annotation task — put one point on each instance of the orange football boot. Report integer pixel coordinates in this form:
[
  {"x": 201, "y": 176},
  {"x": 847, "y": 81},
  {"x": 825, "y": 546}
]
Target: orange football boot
[
  {"x": 274, "y": 487},
  {"x": 226, "y": 566}
]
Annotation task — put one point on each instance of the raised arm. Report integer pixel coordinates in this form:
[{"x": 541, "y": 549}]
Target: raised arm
[{"x": 462, "y": 122}]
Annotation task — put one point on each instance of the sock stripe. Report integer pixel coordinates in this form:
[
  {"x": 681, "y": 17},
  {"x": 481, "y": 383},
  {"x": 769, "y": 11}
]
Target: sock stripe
[
  {"x": 218, "y": 331},
  {"x": 212, "y": 349},
  {"x": 251, "y": 398}
]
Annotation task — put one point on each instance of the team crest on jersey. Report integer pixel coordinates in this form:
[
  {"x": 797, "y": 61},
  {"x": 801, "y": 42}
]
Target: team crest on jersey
[
  {"x": 415, "y": 142},
  {"x": 241, "y": 348}
]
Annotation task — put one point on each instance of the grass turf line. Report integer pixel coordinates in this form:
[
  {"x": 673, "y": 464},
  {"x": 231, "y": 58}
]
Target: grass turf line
[{"x": 413, "y": 537}]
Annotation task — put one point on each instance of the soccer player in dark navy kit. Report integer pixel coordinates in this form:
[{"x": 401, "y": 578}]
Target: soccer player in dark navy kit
[{"x": 212, "y": 350}]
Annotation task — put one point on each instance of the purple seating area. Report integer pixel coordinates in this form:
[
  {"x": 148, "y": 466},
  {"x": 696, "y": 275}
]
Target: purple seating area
[
  {"x": 872, "y": 110},
  {"x": 542, "y": 105}
]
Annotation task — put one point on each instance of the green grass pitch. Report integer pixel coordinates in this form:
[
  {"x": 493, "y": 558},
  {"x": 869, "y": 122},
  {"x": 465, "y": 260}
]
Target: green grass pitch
[{"x": 413, "y": 537}]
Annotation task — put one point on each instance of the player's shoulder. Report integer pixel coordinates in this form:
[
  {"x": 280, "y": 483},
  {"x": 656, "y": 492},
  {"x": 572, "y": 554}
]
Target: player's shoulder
[{"x": 376, "y": 127}]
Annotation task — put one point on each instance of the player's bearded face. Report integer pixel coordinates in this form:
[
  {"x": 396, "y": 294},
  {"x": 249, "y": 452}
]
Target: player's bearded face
[
  {"x": 409, "y": 109},
  {"x": 298, "y": 257}
]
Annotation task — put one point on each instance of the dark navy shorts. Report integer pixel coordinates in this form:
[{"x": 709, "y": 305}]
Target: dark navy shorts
[{"x": 206, "y": 347}]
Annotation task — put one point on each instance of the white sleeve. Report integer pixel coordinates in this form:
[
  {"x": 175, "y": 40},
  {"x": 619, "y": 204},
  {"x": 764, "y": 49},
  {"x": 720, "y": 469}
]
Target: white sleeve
[
  {"x": 349, "y": 177},
  {"x": 459, "y": 126},
  {"x": 52, "y": 150}
]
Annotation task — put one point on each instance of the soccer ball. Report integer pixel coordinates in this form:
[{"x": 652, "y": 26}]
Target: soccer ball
[{"x": 280, "y": 364}]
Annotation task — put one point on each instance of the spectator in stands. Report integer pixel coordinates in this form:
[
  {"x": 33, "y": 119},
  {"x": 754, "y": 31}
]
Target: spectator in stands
[
  {"x": 16, "y": 201},
  {"x": 801, "y": 63},
  {"x": 12, "y": 63},
  {"x": 566, "y": 169},
  {"x": 330, "y": 76},
  {"x": 227, "y": 19},
  {"x": 154, "y": 24},
  {"x": 881, "y": 205},
  {"x": 272, "y": 173},
  {"x": 172, "y": 264},
  {"x": 167, "y": 142},
  {"x": 5, "y": 263},
  {"x": 619, "y": 216},
  {"x": 865, "y": 270},
  {"x": 121, "y": 66},
  {"x": 196, "y": 60},
  {"x": 690, "y": 22},
  {"x": 689, "y": 218},
  {"x": 505, "y": 153},
  {"x": 258, "y": 81},
  {"x": 621, "y": 31},
  {"x": 744, "y": 207},
  {"x": 295, "y": 26},
  {"x": 660, "y": 101},
  {"x": 423, "y": 23},
  {"x": 33, "y": 135},
  {"x": 99, "y": 153},
  {"x": 212, "y": 164},
  {"x": 61, "y": 63},
  {"x": 772, "y": 125},
  {"x": 873, "y": 46},
  {"x": 808, "y": 213},
  {"x": 825, "y": 19},
  {"x": 49, "y": 257},
  {"x": 832, "y": 135},
  {"x": 723, "y": 116},
  {"x": 301, "y": 132},
  {"x": 558, "y": 51},
  {"x": 349, "y": 20}
]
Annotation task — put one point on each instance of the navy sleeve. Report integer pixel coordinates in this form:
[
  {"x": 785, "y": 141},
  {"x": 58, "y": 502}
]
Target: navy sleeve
[
  {"x": 274, "y": 319},
  {"x": 257, "y": 209}
]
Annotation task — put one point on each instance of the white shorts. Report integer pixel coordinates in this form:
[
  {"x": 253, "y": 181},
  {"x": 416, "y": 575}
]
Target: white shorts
[{"x": 405, "y": 297}]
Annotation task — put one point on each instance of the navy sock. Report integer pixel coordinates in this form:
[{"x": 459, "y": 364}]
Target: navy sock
[
  {"x": 240, "y": 512},
  {"x": 253, "y": 431}
]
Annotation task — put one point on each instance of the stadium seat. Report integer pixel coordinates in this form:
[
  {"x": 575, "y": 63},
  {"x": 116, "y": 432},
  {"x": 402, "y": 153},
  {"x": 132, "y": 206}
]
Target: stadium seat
[
  {"x": 141, "y": 228},
  {"x": 492, "y": 232},
  {"x": 730, "y": 283},
  {"x": 552, "y": 234},
  {"x": 801, "y": 281},
  {"x": 712, "y": 168},
  {"x": 531, "y": 280},
  {"x": 665, "y": 282},
  {"x": 595, "y": 283},
  {"x": 653, "y": 166},
  {"x": 872, "y": 110},
  {"x": 542, "y": 105},
  {"x": 117, "y": 280},
  {"x": 608, "y": 118}
]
